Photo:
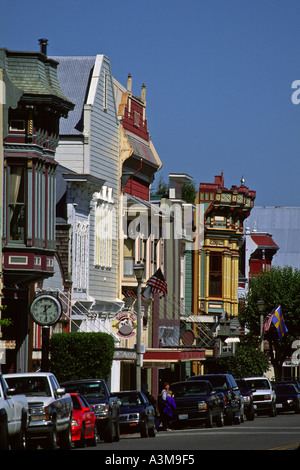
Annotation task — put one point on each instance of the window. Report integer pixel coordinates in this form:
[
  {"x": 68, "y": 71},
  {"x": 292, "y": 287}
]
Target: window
[
  {"x": 81, "y": 244},
  {"x": 128, "y": 257},
  {"x": 17, "y": 206},
  {"x": 136, "y": 117},
  {"x": 104, "y": 234},
  {"x": 17, "y": 125},
  {"x": 105, "y": 91},
  {"x": 215, "y": 275}
]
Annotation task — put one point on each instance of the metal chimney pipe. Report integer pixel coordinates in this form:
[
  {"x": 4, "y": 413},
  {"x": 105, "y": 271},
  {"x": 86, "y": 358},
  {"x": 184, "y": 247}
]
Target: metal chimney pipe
[{"x": 43, "y": 43}]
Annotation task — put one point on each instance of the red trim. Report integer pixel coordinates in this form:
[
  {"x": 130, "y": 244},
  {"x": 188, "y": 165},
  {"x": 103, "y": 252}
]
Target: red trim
[{"x": 173, "y": 355}]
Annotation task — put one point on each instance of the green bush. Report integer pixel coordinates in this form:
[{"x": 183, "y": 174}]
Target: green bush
[{"x": 77, "y": 356}]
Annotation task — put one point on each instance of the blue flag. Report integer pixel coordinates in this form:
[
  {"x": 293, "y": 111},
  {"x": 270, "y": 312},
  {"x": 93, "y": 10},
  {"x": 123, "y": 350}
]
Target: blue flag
[{"x": 278, "y": 321}]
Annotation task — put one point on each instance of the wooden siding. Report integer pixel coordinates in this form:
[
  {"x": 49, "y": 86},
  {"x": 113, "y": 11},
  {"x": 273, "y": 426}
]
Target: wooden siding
[
  {"x": 104, "y": 164},
  {"x": 139, "y": 188},
  {"x": 129, "y": 121},
  {"x": 69, "y": 153}
]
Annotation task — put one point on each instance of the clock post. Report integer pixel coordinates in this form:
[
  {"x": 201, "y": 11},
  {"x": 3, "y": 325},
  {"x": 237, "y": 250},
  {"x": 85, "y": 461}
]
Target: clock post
[
  {"x": 46, "y": 311},
  {"x": 45, "y": 364}
]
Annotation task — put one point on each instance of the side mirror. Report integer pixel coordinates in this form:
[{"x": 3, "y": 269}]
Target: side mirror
[{"x": 60, "y": 391}]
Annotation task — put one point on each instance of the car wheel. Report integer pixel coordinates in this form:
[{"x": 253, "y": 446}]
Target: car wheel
[
  {"x": 145, "y": 430},
  {"x": 209, "y": 420},
  {"x": 81, "y": 442},
  {"x": 152, "y": 432},
  {"x": 117, "y": 432},
  {"x": 3, "y": 434},
  {"x": 229, "y": 418},
  {"x": 93, "y": 441},
  {"x": 66, "y": 438},
  {"x": 251, "y": 415},
  {"x": 220, "y": 421},
  {"x": 51, "y": 441},
  {"x": 273, "y": 411},
  {"x": 108, "y": 434}
]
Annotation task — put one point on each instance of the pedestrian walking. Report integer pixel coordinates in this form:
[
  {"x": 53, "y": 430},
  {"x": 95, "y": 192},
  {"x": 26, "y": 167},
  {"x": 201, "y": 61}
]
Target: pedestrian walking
[
  {"x": 170, "y": 405},
  {"x": 166, "y": 405}
]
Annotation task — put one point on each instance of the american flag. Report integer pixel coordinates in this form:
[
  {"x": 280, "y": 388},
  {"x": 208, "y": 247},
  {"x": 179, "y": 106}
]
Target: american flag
[
  {"x": 268, "y": 321},
  {"x": 156, "y": 283}
]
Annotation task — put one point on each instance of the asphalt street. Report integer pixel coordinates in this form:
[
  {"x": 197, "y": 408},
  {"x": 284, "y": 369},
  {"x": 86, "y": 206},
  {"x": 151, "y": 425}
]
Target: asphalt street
[{"x": 264, "y": 433}]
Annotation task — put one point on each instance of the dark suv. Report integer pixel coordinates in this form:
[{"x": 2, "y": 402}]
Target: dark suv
[{"x": 226, "y": 386}]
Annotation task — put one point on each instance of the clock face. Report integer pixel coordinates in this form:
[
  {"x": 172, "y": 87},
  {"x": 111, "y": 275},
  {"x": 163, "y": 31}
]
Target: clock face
[{"x": 45, "y": 310}]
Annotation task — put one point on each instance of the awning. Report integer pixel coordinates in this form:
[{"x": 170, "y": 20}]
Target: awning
[
  {"x": 156, "y": 357},
  {"x": 264, "y": 241}
]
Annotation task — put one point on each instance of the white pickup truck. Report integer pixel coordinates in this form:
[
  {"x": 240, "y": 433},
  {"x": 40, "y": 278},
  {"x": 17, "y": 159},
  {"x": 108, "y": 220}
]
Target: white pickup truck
[
  {"x": 264, "y": 396},
  {"x": 13, "y": 418},
  {"x": 50, "y": 409}
]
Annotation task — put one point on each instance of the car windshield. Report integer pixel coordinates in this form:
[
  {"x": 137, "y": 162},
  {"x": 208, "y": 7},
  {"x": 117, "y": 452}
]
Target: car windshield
[
  {"x": 259, "y": 384},
  {"x": 88, "y": 390},
  {"x": 218, "y": 382},
  {"x": 30, "y": 386},
  {"x": 190, "y": 389},
  {"x": 243, "y": 386},
  {"x": 129, "y": 399},
  {"x": 285, "y": 388}
]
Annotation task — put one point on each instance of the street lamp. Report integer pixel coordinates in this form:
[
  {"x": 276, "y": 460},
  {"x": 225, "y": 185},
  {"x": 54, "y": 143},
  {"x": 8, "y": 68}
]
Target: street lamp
[
  {"x": 261, "y": 307},
  {"x": 138, "y": 271}
]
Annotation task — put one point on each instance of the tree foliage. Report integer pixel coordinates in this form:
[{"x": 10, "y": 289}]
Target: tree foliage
[
  {"x": 77, "y": 356},
  {"x": 279, "y": 286}
]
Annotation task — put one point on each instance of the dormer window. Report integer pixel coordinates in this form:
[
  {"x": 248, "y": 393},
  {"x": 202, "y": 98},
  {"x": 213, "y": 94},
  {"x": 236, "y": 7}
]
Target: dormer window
[{"x": 136, "y": 119}]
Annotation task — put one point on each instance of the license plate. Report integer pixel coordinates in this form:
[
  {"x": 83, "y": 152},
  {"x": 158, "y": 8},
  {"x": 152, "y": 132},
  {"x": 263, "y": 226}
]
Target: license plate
[
  {"x": 185, "y": 416},
  {"x": 279, "y": 405}
]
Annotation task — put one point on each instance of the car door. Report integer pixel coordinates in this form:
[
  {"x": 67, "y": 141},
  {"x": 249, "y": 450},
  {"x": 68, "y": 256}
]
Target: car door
[
  {"x": 59, "y": 402},
  {"x": 11, "y": 409}
]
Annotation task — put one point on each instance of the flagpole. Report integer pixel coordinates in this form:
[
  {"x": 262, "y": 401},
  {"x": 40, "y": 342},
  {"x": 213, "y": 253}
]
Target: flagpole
[
  {"x": 261, "y": 307},
  {"x": 139, "y": 271}
]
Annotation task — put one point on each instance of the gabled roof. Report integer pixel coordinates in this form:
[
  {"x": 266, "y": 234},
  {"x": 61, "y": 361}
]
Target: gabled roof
[
  {"x": 264, "y": 241},
  {"x": 74, "y": 75}
]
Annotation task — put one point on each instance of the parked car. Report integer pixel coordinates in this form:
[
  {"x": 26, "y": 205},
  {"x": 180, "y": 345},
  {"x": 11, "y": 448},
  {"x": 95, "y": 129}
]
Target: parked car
[
  {"x": 287, "y": 397},
  {"x": 196, "y": 403},
  {"x": 106, "y": 408},
  {"x": 264, "y": 396},
  {"x": 137, "y": 414},
  {"x": 247, "y": 394},
  {"x": 226, "y": 385},
  {"x": 14, "y": 418},
  {"x": 50, "y": 409},
  {"x": 84, "y": 430}
]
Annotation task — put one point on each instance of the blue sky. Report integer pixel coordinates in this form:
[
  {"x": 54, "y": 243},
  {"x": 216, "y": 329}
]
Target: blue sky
[{"x": 218, "y": 75}]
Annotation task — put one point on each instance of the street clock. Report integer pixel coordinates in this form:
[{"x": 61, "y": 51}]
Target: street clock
[{"x": 46, "y": 310}]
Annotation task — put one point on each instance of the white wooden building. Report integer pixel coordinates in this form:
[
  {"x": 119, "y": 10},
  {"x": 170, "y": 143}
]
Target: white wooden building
[{"x": 88, "y": 180}]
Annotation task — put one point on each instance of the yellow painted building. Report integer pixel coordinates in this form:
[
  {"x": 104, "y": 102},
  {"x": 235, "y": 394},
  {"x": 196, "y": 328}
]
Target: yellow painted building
[{"x": 220, "y": 213}]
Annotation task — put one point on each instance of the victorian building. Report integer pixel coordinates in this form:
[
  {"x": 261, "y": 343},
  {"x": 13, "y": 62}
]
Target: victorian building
[
  {"x": 32, "y": 107},
  {"x": 219, "y": 230},
  {"x": 140, "y": 234},
  {"x": 88, "y": 187}
]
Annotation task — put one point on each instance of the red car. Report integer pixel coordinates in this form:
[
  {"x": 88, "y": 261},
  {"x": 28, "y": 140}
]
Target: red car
[{"x": 83, "y": 423}]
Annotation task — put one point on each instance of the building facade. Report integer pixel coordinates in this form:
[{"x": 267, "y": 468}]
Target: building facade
[
  {"x": 88, "y": 194},
  {"x": 219, "y": 230},
  {"x": 32, "y": 108}
]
